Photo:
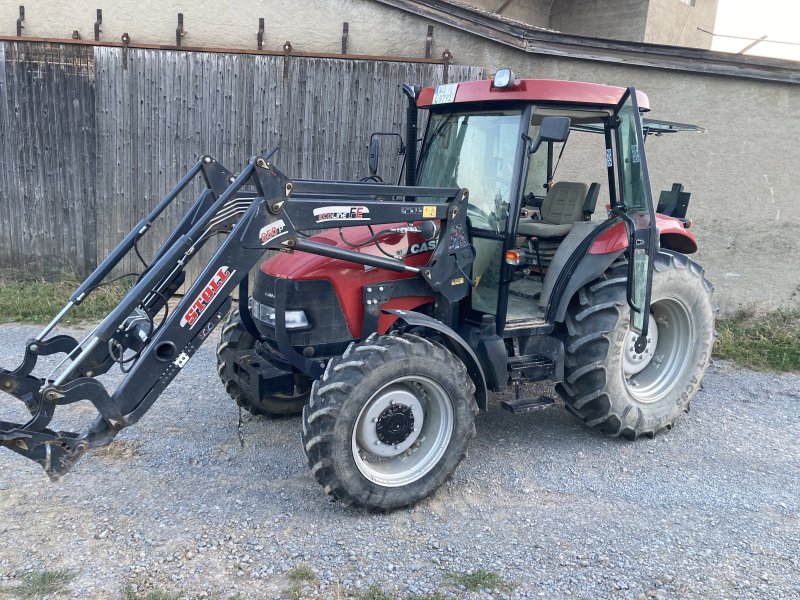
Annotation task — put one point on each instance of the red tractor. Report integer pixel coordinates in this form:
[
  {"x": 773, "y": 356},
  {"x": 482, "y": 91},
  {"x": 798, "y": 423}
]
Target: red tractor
[{"x": 390, "y": 328}]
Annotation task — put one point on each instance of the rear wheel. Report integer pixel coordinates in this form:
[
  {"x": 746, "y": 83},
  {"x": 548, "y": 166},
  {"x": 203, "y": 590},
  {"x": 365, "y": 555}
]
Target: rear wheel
[
  {"x": 389, "y": 421},
  {"x": 234, "y": 336},
  {"x": 612, "y": 387}
]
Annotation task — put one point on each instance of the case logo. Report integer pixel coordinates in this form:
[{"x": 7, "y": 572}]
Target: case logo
[
  {"x": 423, "y": 247},
  {"x": 341, "y": 213},
  {"x": 204, "y": 299}
]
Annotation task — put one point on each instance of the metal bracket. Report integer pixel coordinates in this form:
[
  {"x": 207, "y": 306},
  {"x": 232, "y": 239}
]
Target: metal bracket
[
  {"x": 447, "y": 58},
  {"x": 429, "y": 42},
  {"x": 345, "y": 32},
  {"x": 20, "y": 26},
  {"x": 97, "y": 24},
  {"x": 126, "y": 40},
  {"x": 260, "y": 34},
  {"x": 179, "y": 31}
]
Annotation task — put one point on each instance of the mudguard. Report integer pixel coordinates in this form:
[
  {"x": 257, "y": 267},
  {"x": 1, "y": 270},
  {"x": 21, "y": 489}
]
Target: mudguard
[{"x": 456, "y": 344}]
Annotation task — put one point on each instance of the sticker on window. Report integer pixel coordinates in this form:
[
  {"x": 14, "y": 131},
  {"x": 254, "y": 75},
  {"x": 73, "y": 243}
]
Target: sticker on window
[
  {"x": 445, "y": 94},
  {"x": 609, "y": 158},
  {"x": 634, "y": 153}
]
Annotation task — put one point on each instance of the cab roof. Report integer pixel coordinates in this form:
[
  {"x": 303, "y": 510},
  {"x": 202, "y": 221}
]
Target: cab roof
[{"x": 535, "y": 90}]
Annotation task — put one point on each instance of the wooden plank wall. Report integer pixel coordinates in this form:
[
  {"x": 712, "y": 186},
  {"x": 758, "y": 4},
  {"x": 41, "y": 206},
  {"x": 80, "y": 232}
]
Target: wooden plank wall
[{"x": 91, "y": 139}]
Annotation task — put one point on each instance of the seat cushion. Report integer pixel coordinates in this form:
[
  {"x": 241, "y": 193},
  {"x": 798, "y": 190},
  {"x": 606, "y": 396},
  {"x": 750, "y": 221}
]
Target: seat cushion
[{"x": 531, "y": 228}]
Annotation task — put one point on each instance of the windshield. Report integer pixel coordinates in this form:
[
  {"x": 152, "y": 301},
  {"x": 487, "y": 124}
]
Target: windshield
[{"x": 474, "y": 151}]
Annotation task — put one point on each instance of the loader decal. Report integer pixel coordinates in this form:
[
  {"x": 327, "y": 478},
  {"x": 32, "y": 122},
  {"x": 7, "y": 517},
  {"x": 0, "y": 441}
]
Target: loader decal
[
  {"x": 205, "y": 297},
  {"x": 271, "y": 230},
  {"x": 341, "y": 213}
]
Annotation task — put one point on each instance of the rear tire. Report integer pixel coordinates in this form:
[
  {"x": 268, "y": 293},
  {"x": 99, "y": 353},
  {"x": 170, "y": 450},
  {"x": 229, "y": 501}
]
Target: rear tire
[
  {"x": 389, "y": 421},
  {"x": 234, "y": 336},
  {"x": 607, "y": 384}
]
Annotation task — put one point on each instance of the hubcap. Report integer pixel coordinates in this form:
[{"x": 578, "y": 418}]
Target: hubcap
[
  {"x": 402, "y": 431},
  {"x": 651, "y": 374},
  {"x": 634, "y": 362}
]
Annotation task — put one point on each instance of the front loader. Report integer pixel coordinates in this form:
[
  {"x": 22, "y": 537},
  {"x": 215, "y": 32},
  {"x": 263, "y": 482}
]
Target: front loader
[{"x": 392, "y": 311}]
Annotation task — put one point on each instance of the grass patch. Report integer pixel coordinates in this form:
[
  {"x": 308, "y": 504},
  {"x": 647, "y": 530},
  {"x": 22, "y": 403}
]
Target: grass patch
[
  {"x": 373, "y": 592},
  {"x": 301, "y": 573},
  {"x": 765, "y": 342},
  {"x": 129, "y": 594},
  {"x": 34, "y": 300},
  {"x": 38, "y": 585},
  {"x": 481, "y": 579}
]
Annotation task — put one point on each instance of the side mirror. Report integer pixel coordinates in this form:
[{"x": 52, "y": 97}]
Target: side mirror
[
  {"x": 552, "y": 129},
  {"x": 374, "y": 150}
]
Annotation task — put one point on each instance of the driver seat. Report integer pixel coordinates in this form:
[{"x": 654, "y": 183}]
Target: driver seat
[{"x": 566, "y": 202}]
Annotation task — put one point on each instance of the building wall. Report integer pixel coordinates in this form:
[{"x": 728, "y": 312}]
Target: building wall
[
  {"x": 533, "y": 12},
  {"x": 614, "y": 19},
  {"x": 741, "y": 172},
  {"x": 675, "y": 22}
]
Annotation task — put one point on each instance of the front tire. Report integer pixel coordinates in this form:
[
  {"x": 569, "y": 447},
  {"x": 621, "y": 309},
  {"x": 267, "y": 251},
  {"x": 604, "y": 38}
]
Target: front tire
[
  {"x": 611, "y": 387},
  {"x": 389, "y": 421},
  {"x": 235, "y": 336}
]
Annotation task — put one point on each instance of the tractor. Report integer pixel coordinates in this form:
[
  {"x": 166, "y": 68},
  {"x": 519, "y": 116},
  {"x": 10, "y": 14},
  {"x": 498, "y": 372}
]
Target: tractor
[{"x": 387, "y": 314}]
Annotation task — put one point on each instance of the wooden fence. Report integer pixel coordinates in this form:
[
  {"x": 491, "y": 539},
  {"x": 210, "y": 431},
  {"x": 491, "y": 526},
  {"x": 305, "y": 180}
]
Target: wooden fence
[{"x": 91, "y": 137}]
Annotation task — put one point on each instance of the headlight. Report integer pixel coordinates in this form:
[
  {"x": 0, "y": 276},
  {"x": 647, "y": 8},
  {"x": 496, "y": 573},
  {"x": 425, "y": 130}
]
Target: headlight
[{"x": 295, "y": 319}]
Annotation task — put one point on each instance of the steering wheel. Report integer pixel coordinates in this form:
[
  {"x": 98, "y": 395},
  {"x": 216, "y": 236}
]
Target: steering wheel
[{"x": 491, "y": 220}]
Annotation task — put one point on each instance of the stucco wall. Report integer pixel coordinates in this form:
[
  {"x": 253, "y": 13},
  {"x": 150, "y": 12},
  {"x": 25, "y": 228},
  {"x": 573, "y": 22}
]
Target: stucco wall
[
  {"x": 615, "y": 19},
  {"x": 533, "y": 12},
  {"x": 675, "y": 22},
  {"x": 742, "y": 172}
]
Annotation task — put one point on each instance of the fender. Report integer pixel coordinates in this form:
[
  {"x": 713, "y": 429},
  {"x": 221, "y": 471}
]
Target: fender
[
  {"x": 456, "y": 344},
  {"x": 672, "y": 231}
]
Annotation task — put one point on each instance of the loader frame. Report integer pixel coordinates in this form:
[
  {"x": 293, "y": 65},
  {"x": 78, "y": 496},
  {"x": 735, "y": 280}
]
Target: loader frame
[{"x": 259, "y": 209}]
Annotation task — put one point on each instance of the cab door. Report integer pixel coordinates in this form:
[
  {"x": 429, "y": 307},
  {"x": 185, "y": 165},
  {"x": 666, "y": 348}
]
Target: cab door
[{"x": 636, "y": 209}]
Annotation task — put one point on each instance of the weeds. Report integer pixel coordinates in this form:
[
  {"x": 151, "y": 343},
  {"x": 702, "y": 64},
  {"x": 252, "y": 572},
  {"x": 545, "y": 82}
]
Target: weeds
[
  {"x": 38, "y": 585},
  {"x": 129, "y": 594},
  {"x": 766, "y": 342},
  {"x": 480, "y": 580},
  {"x": 34, "y": 300}
]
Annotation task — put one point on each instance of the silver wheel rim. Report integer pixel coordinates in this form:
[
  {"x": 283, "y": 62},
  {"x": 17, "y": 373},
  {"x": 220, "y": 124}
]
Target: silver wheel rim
[
  {"x": 669, "y": 353},
  {"x": 402, "y": 463}
]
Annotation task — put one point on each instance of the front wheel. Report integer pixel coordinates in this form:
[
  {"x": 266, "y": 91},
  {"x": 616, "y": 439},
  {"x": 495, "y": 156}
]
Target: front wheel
[
  {"x": 612, "y": 387},
  {"x": 389, "y": 421}
]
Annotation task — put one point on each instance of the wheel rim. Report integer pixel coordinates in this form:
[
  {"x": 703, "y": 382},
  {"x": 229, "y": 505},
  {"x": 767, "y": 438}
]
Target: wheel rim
[
  {"x": 667, "y": 356},
  {"x": 402, "y": 431}
]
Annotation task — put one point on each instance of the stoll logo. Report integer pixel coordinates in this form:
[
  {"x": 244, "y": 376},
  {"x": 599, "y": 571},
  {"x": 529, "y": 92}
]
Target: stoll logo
[
  {"x": 205, "y": 297},
  {"x": 341, "y": 213}
]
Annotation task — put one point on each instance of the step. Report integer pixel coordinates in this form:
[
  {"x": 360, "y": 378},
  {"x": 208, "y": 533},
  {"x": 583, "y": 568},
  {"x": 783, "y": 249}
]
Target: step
[
  {"x": 528, "y": 361},
  {"x": 523, "y": 405}
]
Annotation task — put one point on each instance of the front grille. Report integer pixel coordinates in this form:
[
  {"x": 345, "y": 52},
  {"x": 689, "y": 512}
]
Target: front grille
[{"x": 317, "y": 299}]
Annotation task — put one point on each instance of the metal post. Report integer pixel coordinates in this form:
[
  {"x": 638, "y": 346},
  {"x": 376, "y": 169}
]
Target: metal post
[
  {"x": 179, "y": 30},
  {"x": 20, "y": 26},
  {"x": 97, "y": 24},
  {"x": 345, "y": 31}
]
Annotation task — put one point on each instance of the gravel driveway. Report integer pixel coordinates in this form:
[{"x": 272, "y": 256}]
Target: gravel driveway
[{"x": 709, "y": 510}]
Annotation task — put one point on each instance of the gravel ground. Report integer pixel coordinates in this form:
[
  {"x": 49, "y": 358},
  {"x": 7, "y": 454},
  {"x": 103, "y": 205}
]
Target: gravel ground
[{"x": 709, "y": 510}]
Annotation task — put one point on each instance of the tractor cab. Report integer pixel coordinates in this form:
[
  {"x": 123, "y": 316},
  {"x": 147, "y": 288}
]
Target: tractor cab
[{"x": 537, "y": 157}]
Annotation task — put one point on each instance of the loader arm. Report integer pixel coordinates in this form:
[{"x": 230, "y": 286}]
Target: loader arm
[{"x": 260, "y": 209}]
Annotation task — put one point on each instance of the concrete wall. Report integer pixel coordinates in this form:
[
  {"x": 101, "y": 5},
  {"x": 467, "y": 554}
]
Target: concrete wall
[
  {"x": 533, "y": 12},
  {"x": 742, "y": 172},
  {"x": 614, "y": 19},
  {"x": 675, "y": 22}
]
